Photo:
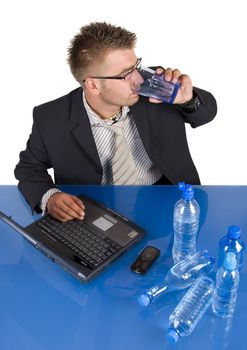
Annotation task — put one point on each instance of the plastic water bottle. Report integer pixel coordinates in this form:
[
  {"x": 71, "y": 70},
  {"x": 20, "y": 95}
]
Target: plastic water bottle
[
  {"x": 232, "y": 242},
  {"x": 227, "y": 281},
  {"x": 180, "y": 276},
  {"x": 185, "y": 224},
  {"x": 191, "y": 308}
]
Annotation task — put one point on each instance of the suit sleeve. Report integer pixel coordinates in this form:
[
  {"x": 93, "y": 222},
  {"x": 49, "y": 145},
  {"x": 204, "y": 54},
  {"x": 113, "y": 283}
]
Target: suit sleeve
[
  {"x": 206, "y": 111},
  {"x": 31, "y": 171}
]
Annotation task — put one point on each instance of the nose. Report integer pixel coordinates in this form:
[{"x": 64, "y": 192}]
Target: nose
[{"x": 136, "y": 79}]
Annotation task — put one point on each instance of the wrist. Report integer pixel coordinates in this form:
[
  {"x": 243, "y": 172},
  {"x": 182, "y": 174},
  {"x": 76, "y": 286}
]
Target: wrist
[
  {"x": 192, "y": 105},
  {"x": 46, "y": 197}
]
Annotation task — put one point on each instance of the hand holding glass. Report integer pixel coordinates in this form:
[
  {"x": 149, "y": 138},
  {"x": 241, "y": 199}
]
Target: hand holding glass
[{"x": 155, "y": 86}]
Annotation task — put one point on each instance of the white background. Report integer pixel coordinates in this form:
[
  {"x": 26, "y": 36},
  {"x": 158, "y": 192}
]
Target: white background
[{"x": 204, "y": 39}]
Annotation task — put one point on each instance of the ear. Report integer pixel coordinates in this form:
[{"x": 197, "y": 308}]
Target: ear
[{"x": 93, "y": 86}]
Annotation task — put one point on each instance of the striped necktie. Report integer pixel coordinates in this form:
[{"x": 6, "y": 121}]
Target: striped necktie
[{"x": 123, "y": 167}]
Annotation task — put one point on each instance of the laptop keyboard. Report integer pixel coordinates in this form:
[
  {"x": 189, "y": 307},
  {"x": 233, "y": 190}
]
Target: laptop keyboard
[{"x": 90, "y": 245}]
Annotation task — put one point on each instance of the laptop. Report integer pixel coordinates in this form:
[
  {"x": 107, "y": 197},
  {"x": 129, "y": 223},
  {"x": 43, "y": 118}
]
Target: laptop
[{"x": 83, "y": 248}]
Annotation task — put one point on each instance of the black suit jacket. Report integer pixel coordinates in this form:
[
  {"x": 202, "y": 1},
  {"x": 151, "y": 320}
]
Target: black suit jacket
[{"x": 62, "y": 139}]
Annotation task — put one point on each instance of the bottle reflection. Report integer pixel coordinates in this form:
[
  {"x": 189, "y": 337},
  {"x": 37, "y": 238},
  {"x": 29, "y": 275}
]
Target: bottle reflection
[{"x": 220, "y": 332}]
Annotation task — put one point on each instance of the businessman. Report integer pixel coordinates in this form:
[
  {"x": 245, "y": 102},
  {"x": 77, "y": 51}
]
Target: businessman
[{"x": 104, "y": 132}]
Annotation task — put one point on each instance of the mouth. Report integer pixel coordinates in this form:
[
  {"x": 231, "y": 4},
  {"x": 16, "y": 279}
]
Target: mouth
[{"x": 135, "y": 90}]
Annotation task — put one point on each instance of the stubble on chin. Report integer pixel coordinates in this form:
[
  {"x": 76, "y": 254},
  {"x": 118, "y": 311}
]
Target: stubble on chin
[{"x": 132, "y": 100}]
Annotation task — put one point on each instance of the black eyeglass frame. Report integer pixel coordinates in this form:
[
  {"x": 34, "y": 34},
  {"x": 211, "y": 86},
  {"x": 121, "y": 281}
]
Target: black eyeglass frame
[{"x": 120, "y": 77}]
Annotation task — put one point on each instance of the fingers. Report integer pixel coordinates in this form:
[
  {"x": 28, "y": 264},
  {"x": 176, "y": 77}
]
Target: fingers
[
  {"x": 153, "y": 100},
  {"x": 175, "y": 76},
  {"x": 186, "y": 89},
  {"x": 185, "y": 92},
  {"x": 71, "y": 207},
  {"x": 184, "y": 80},
  {"x": 65, "y": 207},
  {"x": 60, "y": 215},
  {"x": 169, "y": 74},
  {"x": 78, "y": 202}
]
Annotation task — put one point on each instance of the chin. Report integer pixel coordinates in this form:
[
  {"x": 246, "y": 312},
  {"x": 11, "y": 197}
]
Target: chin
[{"x": 133, "y": 99}]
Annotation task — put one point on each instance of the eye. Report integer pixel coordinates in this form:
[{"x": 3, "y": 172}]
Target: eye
[{"x": 128, "y": 73}]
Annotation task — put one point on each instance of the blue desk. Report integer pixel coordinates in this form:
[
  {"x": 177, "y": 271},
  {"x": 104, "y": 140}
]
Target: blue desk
[{"x": 42, "y": 307}]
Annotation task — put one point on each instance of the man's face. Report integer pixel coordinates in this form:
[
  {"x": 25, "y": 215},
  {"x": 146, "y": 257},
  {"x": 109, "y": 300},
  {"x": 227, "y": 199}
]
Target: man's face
[{"x": 119, "y": 92}]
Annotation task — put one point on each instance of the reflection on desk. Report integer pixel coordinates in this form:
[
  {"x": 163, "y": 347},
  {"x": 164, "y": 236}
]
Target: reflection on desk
[{"x": 42, "y": 307}]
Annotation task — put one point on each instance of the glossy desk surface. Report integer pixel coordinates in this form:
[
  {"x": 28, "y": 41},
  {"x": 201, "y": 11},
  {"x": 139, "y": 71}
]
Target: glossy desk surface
[{"x": 42, "y": 307}]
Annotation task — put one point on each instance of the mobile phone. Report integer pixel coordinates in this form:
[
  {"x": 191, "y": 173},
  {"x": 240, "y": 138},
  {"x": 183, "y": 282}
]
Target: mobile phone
[{"x": 145, "y": 260}]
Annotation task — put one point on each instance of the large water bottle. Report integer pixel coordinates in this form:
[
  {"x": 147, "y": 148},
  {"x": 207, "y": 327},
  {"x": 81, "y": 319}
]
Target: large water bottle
[
  {"x": 232, "y": 242},
  {"x": 191, "y": 308},
  {"x": 180, "y": 276},
  {"x": 227, "y": 281},
  {"x": 185, "y": 224}
]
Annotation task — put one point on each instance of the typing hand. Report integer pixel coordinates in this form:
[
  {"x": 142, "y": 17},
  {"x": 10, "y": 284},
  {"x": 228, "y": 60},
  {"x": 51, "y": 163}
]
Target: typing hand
[
  {"x": 63, "y": 207},
  {"x": 185, "y": 92}
]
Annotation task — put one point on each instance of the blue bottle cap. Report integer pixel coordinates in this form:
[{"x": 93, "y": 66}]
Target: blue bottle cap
[
  {"x": 143, "y": 299},
  {"x": 181, "y": 185},
  {"x": 172, "y": 335},
  {"x": 234, "y": 232},
  {"x": 230, "y": 262},
  {"x": 211, "y": 260},
  {"x": 187, "y": 191}
]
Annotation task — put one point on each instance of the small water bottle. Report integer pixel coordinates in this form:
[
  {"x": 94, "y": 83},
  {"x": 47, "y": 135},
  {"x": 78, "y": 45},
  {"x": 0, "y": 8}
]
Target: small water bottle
[
  {"x": 227, "y": 281},
  {"x": 180, "y": 276},
  {"x": 185, "y": 224},
  {"x": 232, "y": 242},
  {"x": 191, "y": 308}
]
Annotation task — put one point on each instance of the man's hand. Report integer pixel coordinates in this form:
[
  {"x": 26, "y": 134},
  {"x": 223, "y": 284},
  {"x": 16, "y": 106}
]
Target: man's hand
[
  {"x": 185, "y": 92},
  {"x": 63, "y": 207}
]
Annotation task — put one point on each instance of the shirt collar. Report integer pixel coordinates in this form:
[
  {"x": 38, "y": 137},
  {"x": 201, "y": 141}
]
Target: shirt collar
[{"x": 95, "y": 120}]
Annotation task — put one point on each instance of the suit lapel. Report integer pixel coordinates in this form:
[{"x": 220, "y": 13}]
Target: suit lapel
[{"x": 82, "y": 131}]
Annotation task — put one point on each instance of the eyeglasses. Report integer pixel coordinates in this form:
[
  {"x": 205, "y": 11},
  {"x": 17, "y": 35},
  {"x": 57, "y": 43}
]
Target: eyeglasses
[{"x": 125, "y": 76}]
